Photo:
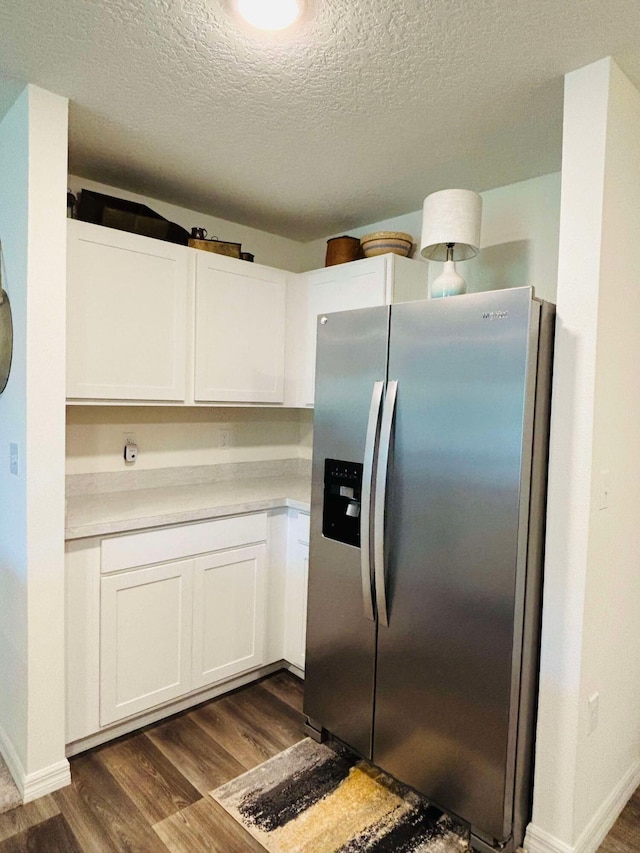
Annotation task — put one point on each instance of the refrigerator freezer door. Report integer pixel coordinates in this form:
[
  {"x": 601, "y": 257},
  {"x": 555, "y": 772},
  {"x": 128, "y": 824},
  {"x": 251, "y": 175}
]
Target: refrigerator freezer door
[
  {"x": 448, "y": 662},
  {"x": 340, "y": 654}
]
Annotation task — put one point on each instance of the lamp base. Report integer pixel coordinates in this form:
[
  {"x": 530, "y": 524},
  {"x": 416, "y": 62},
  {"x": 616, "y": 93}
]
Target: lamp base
[{"x": 449, "y": 282}]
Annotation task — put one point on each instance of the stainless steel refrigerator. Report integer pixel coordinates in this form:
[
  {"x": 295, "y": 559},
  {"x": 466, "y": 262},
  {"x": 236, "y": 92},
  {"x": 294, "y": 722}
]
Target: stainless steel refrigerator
[{"x": 428, "y": 492}]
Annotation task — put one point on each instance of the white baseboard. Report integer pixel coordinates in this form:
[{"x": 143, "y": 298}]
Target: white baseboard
[
  {"x": 595, "y": 831},
  {"x": 33, "y": 785},
  {"x": 170, "y": 708},
  {"x": 294, "y": 670},
  {"x": 539, "y": 841},
  {"x": 46, "y": 781}
]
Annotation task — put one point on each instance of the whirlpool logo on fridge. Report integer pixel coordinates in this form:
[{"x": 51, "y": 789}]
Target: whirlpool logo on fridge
[{"x": 495, "y": 315}]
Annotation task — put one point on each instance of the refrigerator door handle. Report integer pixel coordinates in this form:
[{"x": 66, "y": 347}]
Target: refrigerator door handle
[
  {"x": 380, "y": 499},
  {"x": 365, "y": 512}
]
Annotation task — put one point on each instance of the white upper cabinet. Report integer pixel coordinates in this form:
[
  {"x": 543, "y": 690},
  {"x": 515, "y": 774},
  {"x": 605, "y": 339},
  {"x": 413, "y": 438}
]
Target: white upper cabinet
[
  {"x": 153, "y": 322},
  {"x": 132, "y": 334},
  {"x": 126, "y": 316},
  {"x": 239, "y": 331},
  {"x": 367, "y": 283}
]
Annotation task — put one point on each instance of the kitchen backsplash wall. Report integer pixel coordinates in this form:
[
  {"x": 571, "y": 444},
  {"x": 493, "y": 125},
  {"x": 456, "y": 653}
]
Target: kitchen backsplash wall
[
  {"x": 306, "y": 433},
  {"x": 171, "y": 436}
]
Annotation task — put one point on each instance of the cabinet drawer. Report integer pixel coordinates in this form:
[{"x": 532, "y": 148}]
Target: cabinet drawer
[{"x": 172, "y": 543}]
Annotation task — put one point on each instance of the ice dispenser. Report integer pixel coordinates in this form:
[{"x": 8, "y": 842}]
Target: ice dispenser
[{"x": 341, "y": 507}]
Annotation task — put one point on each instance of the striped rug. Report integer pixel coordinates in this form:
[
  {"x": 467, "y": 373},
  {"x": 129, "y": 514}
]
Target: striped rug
[{"x": 320, "y": 798}]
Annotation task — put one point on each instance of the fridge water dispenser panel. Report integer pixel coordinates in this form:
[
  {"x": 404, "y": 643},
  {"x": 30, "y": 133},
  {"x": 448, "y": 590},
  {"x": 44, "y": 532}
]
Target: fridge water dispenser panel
[{"x": 341, "y": 507}]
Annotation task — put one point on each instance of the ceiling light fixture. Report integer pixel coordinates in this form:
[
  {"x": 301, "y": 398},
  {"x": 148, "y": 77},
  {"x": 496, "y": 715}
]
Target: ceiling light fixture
[{"x": 269, "y": 14}]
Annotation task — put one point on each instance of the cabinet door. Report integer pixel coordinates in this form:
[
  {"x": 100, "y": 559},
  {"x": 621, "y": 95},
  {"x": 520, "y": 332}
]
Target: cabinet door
[
  {"x": 126, "y": 315},
  {"x": 295, "y": 619},
  {"x": 240, "y": 331},
  {"x": 145, "y": 638},
  {"x": 360, "y": 284},
  {"x": 229, "y": 613}
]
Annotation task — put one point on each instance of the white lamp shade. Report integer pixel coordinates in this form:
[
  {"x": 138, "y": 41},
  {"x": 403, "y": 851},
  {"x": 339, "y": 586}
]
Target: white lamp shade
[{"x": 451, "y": 216}]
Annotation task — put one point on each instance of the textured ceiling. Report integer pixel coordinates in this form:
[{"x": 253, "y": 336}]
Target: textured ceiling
[{"x": 353, "y": 115}]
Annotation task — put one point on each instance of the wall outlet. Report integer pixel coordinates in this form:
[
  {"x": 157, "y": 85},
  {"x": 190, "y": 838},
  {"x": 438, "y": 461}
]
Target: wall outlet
[
  {"x": 225, "y": 438},
  {"x": 13, "y": 458},
  {"x": 594, "y": 703},
  {"x": 130, "y": 451}
]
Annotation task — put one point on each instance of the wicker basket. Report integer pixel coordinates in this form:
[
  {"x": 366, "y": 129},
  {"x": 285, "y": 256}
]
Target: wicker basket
[{"x": 220, "y": 247}]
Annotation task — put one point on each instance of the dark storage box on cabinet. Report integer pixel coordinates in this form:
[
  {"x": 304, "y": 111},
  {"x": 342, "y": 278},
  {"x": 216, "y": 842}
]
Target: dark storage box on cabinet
[{"x": 128, "y": 216}]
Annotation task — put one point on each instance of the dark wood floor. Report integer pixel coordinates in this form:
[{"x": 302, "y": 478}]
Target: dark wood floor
[
  {"x": 148, "y": 792},
  {"x": 624, "y": 837}
]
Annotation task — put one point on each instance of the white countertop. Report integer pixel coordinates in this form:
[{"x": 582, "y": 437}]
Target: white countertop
[{"x": 119, "y": 511}]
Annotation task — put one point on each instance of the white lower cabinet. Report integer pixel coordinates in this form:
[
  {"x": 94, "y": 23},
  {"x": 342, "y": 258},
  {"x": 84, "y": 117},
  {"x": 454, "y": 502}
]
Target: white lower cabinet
[
  {"x": 229, "y": 613},
  {"x": 158, "y": 619},
  {"x": 145, "y": 638},
  {"x": 154, "y": 616},
  {"x": 295, "y": 611},
  {"x": 170, "y": 629}
]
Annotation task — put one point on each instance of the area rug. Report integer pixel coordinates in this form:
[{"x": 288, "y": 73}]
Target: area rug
[
  {"x": 9, "y": 794},
  {"x": 320, "y": 798}
]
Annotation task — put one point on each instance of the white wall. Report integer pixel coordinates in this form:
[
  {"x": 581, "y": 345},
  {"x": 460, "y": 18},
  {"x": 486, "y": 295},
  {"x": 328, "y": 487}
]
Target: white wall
[
  {"x": 519, "y": 238},
  {"x": 171, "y": 436},
  {"x": 269, "y": 249},
  {"x": 591, "y": 611},
  {"x": 33, "y": 161},
  {"x": 611, "y": 638},
  {"x": 14, "y": 168},
  {"x": 306, "y": 433}
]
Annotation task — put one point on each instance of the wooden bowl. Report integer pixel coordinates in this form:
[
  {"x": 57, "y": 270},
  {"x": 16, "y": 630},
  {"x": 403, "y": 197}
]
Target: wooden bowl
[{"x": 380, "y": 242}]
